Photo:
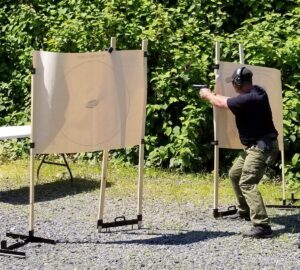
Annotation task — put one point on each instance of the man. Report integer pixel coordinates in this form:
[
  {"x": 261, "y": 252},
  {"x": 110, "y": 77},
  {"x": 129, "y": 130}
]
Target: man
[{"x": 257, "y": 133}]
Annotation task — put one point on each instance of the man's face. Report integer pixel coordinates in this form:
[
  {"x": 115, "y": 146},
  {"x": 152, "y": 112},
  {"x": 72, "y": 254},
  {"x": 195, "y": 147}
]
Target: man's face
[{"x": 236, "y": 88}]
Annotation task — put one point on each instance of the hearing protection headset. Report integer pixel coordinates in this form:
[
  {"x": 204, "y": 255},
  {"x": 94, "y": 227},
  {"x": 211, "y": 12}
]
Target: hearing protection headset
[{"x": 238, "y": 79}]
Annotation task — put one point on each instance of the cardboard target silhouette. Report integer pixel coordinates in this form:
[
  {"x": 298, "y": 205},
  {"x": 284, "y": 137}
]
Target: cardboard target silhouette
[
  {"x": 269, "y": 79},
  {"x": 88, "y": 101}
]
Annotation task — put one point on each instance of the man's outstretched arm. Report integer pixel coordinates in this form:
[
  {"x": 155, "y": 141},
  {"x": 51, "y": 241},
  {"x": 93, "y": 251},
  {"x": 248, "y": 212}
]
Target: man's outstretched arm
[{"x": 216, "y": 100}]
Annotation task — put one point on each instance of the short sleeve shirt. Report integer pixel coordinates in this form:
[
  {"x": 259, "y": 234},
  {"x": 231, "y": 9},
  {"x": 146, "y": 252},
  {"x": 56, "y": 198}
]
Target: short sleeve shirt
[{"x": 253, "y": 115}]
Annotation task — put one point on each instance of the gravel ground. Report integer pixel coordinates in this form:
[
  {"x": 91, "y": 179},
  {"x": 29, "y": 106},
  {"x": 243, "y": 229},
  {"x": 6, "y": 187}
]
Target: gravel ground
[{"x": 174, "y": 235}]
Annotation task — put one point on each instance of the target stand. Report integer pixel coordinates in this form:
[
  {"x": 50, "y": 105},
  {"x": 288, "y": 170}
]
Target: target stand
[
  {"x": 225, "y": 131},
  {"x": 85, "y": 102}
]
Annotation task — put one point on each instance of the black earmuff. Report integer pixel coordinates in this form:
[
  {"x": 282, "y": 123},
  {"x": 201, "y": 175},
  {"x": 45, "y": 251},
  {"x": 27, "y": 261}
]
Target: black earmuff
[{"x": 238, "y": 80}]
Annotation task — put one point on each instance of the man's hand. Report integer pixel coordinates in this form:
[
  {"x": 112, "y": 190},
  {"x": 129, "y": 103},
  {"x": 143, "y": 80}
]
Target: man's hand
[
  {"x": 216, "y": 100},
  {"x": 205, "y": 93}
]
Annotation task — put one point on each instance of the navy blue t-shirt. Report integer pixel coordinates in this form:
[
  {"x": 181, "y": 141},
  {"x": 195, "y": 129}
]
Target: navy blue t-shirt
[{"x": 253, "y": 115}]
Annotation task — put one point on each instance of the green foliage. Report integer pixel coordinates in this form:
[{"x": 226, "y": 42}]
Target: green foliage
[
  {"x": 292, "y": 130},
  {"x": 181, "y": 38}
]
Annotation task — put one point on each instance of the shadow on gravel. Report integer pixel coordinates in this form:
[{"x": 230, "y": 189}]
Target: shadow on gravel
[
  {"x": 291, "y": 223},
  {"x": 50, "y": 191},
  {"x": 186, "y": 238}
]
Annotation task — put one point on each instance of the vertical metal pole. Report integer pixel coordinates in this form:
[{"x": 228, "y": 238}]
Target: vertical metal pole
[
  {"x": 216, "y": 147},
  {"x": 283, "y": 177},
  {"x": 104, "y": 168},
  {"x": 241, "y": 53},
  {"x": 141, "y": 146}
]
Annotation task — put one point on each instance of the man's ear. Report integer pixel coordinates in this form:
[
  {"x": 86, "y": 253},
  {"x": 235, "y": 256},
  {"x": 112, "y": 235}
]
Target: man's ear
[{"x": 238, "y": 87}]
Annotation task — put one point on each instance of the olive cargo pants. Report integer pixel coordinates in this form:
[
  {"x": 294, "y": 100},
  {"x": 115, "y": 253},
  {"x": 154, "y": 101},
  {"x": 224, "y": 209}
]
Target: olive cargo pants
[{"x": 245, "y": 174}]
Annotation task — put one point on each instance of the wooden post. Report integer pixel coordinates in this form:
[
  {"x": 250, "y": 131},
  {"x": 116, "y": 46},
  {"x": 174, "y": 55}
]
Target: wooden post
[
  {"x": 216, "y": 147},
  {"x": 104, "y": 166},
  {"x": 241, "y": 53},
  {"x": 283, "y": 177},
  {"x": 102, "y": 187},
  {"x": 31, "y": 185},
  {"x": 31, "y": 192},
  {"x": 141, "y": 146}
]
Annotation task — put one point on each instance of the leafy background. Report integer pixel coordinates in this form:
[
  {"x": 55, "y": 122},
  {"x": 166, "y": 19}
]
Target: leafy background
[{"x": 181, "y": 37}]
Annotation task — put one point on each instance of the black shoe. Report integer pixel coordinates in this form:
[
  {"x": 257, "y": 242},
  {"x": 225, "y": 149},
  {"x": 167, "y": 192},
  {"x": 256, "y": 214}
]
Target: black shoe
[
  {"x": 239, "y": 216},
  {"x": 259, "y": 231}
]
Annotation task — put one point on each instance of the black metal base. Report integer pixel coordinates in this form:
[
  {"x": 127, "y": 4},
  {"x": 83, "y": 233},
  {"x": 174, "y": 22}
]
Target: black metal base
[
  {"x": 9, "y": 252},
  {"x": 119, "y": 221},
  {"x": 286, "y": 204},
  {"x": 230, "y": 211},
  {"x": 22, "y": 241}
]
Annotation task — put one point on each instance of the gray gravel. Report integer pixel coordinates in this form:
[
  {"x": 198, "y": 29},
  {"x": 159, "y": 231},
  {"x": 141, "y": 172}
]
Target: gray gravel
[{"x": 174, "y": 235}]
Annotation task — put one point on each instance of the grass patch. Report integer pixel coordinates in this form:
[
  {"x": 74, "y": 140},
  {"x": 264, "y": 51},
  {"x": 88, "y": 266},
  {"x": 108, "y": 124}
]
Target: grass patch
[{"x": 122, "y": 181}]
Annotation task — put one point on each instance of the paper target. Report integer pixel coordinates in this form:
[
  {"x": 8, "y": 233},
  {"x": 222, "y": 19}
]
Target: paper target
[
  {"x": 88, "y": 101},
  {"x": 269, "y": 79},
  {"x": 91, "y": 103}
]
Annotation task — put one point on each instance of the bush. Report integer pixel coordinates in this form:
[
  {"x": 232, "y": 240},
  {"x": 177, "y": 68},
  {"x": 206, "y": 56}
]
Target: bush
[{"x": 181, "y": 38}]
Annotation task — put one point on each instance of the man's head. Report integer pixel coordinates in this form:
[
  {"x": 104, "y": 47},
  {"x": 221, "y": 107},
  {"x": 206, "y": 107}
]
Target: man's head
[{"x": 241, "y": 79}]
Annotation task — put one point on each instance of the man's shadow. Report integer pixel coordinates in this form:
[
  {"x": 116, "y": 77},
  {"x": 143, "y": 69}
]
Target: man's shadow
[{"x": 50, "y": 191}]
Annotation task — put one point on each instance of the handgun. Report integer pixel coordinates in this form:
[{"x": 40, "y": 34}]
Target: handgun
[{"x": 199, "y": 86}]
